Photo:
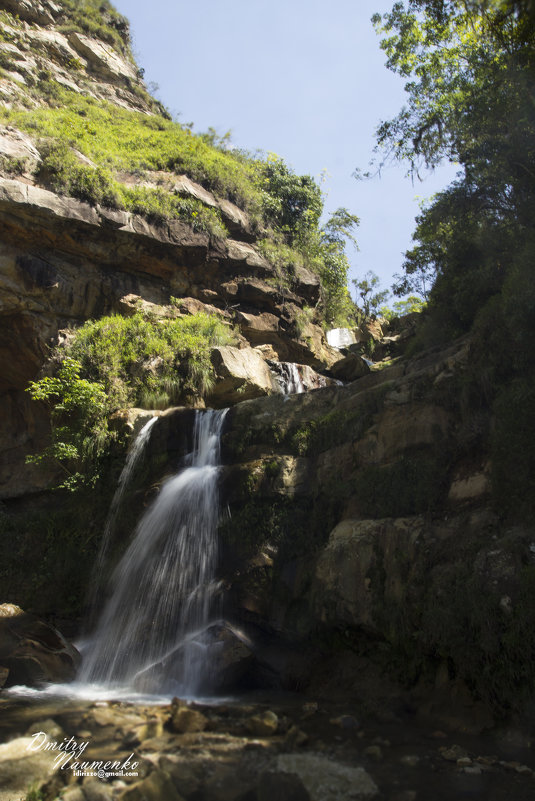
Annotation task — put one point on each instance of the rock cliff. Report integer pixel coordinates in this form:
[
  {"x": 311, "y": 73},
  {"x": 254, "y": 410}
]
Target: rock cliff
[
  {"x": 360, "y": 520},
  {"x": 64, "y": 260}
]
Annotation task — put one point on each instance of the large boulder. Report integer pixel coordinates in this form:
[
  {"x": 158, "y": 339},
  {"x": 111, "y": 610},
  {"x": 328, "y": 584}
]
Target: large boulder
[
  {"x": 240, "y": 374},
  {"x": 349, "y": 368},
  {"x": 33, "y": 652}
]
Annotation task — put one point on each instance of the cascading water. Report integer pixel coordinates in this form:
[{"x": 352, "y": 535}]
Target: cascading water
[
  {"x": 132, "y": 460},
  {"x": 290, "y": 379},
  {"x": 153, "y": 627},
  {"x": 294, "y": 379}
]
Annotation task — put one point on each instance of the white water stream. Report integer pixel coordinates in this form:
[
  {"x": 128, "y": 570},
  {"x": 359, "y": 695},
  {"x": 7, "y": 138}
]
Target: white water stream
[
  {"x": 132, "y": 460},
  {"x": 151, "y": 633}
]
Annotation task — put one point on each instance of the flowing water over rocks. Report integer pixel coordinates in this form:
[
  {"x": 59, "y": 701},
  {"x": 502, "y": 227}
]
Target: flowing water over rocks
[
  {"x": 132, "y": 460},
  {"x": 153, "y": 627}
]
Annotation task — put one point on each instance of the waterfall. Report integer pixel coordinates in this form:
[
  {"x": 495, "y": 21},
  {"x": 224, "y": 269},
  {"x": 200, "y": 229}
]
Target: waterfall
[
  {"x": 132, "y": 460},
  {"x": 293, "y": 379},
  {"x": 290, "y": 379},
  {"x": 153, "y": 626},
  {"x": 340, "y": 337}
]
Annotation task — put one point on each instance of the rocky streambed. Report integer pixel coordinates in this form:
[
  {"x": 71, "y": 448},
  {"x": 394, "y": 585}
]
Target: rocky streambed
[{"x": 256, "y": 747}]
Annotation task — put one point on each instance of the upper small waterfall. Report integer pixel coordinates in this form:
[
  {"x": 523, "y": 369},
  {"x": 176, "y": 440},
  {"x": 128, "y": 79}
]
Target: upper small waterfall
[
  {"x": 162, "y": 589},
  {"x": 132, "y": 460},
  {"x": 293, "y": 379}
]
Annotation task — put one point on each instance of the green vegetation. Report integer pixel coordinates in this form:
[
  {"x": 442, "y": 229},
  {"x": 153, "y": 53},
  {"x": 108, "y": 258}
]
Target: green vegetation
[
  {"x": 147, "y": 362},
  {"x": 284, "y": 208},
  {"x": 115, "y": 363},
  {"x": 79, "y": 423},
  {"x": 470, "y": 70},
  {"x": 371, "y": 296}
]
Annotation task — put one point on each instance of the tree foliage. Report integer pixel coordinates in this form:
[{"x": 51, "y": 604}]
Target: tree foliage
[
  {"x": 471, "y": 76},
  {"x": 470, "y": 70}
]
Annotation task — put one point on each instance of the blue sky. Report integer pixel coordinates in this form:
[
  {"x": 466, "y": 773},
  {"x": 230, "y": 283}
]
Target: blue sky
[{"x": 301, "y": 78}]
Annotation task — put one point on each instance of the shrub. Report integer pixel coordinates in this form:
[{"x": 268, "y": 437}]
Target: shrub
[{"x": 114, "y": 363}]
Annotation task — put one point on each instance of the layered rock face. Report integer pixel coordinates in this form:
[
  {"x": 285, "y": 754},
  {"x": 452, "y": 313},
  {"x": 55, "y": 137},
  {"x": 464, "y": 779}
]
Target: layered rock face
[{"x": 63, "y": 261}]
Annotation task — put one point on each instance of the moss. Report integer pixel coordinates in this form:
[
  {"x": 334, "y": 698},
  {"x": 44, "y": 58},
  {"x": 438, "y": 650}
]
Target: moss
[
  {"x": 339, "y": 426},
  {"x": 414, "y": 484},
  {"x": 60, "y": 535},
  {"x": 295, "y": 527}
]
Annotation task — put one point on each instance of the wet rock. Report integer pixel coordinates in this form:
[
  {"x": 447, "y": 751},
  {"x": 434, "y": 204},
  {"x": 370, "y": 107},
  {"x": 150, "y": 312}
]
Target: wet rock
[
  {"x": 411, "y": 760},
  {"x": 185, "y": 720},
  {"x": 453, "y": 753},
  {"x": 186, "y": 776},
  {"x": 295, "y": 737},
  {"x": 406, "y": 795},
  {"x": 464, "y": 762},
  {"x": 32, "y": 651},
  {"x": 328, "y": 780},
  {"x": 226, "y": 784},
  {"x": 309, "y": 709},
  {"x": 345, "y": 722},
  {"x": 281, "y": 786},
  {"x": 263, "y": 725},
  {"x": 156, "y": 787},
  {"x": 374, "y": 751},
  {"x": 294, "y": 378},
  {"x": 472, "y": 770}
]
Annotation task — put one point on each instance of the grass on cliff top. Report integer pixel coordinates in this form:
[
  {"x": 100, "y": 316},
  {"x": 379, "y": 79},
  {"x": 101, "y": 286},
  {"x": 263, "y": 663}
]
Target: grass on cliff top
[
  {"x": 284, "y": 206},
  {"x": 117, "y": 140}
]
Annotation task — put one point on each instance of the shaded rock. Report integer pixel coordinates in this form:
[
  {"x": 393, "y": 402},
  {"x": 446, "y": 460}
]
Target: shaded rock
[
  {"x": 228, "y": 652},
  {"x": 240, "y": 374},
  {"x": 453, "y": 753},
  {"x": 469, "y": 488},
  {"x": 226, "y": 784},
  {"x": 33, "y": 651},
  {"x": 350, "y": 368},
  {"x": 328, "y": 780},
  {"x": 187, "y": 776},
  {"x": 281, "y": 786},
  {"x": 344, "y": 588}
]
